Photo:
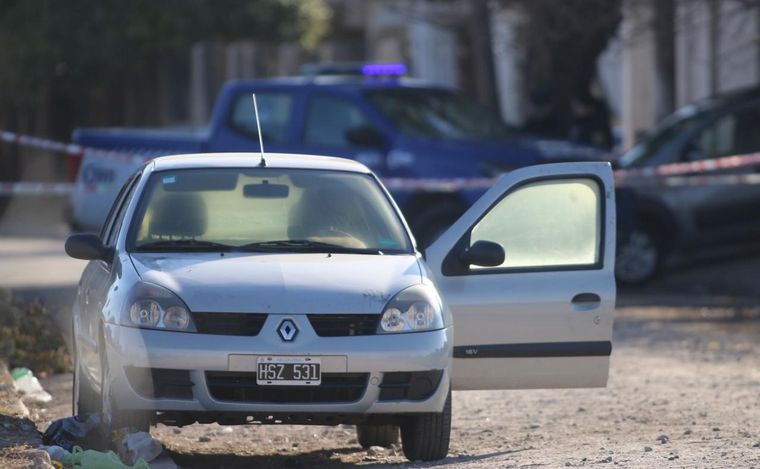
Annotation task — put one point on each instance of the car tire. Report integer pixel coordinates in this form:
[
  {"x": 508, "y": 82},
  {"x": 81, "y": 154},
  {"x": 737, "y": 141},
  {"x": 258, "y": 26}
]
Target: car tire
[
  {"x": 432, "y": 222},
  {"x": 112, "y": 417},
  {"x": 425, "y": 437},
  {"x": 84, "y": 399},
  {"x": 639, "y": 257},
  {"x": 377, "y": 435}
]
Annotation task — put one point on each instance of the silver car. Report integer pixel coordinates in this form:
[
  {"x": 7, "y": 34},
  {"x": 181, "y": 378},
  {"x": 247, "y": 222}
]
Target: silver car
[{"x": 225, "y": 288}]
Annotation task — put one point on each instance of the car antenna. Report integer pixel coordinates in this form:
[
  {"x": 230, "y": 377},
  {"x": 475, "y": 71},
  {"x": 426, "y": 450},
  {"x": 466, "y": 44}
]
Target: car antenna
[{"x": 263, "y": 161}]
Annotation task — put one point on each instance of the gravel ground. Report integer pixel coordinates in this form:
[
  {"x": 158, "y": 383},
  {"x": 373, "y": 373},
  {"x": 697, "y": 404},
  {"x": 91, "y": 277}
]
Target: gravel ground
[{"x": 684, "y": 391}]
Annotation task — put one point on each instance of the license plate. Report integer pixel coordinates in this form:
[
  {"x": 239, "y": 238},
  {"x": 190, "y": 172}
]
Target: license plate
[{"x": 288, "y": 371}]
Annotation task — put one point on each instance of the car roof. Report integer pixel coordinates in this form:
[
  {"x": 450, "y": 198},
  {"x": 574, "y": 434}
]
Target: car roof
[{"x": 252, "y": 160}]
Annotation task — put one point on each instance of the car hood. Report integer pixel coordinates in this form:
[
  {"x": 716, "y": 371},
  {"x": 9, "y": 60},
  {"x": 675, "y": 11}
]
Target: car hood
[{"x": 280, "y": 283}]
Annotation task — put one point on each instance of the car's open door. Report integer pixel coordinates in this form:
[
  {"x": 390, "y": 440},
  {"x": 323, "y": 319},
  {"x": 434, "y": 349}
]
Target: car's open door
[{"x": 540, "y": 313}]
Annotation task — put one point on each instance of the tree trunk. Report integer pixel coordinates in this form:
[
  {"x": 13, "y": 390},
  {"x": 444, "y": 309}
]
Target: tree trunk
[
  {"x": 665, "y": 51},
  {"x": 483, "y": 54}
]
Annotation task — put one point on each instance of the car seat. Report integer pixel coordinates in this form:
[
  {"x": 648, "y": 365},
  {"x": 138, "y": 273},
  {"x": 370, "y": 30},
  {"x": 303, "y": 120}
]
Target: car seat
[{"x": 178, "y": 216}]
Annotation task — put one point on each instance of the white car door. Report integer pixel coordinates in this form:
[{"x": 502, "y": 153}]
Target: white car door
[{"x": 541, "y": 315}]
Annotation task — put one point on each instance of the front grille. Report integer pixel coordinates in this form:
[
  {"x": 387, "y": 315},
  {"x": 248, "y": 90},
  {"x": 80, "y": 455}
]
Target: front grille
[
  {"x": 160, "y": 382},
  {"x": 246, "y": 324},
  {"x": 242, "y": 387},
  {"x": 338, "y": 325}
]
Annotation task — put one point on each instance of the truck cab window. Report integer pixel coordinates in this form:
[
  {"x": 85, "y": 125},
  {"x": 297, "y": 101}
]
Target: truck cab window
[
  {"x": 274, "y": 111},
  {"x": 328, "y": 118}
]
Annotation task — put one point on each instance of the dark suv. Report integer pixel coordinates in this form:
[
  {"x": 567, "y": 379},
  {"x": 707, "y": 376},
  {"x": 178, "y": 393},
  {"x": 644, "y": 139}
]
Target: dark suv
[{"x": 682, "y": 217}]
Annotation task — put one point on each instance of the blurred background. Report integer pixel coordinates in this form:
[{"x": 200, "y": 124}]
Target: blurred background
[
  {"x": 438, "y": 97},
  {"x": 569, "y": 80}
]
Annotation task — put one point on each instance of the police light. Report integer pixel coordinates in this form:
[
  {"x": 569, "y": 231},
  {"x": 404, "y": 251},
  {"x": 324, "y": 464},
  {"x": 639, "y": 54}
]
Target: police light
[{"x": 391, "y": 69}]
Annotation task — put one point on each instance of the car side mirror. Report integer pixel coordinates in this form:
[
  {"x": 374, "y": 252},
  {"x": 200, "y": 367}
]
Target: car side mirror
[
  {"x": 89, "y": 247},
  {"x": 484, "y": 254},
  {"x": 365, "y": 136}
]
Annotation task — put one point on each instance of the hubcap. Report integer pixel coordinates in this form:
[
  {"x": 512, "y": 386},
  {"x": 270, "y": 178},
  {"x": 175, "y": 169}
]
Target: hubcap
[{"x": 637, "y": 259}]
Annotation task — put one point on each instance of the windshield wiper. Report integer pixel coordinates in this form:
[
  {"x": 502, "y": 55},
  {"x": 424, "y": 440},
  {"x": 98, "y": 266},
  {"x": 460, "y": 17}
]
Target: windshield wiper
[
  {"x": 304, "y": 245},
  {"x": 184, "y": 245}
]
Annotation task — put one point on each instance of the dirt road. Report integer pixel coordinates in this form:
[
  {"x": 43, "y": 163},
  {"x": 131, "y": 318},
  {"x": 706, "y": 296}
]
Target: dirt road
[{"x": 684, "y": 391}]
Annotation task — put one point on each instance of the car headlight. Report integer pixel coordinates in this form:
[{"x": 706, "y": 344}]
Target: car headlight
[
  {"x": 153, "y": 307},
  {"x": 415, "y": 309}
]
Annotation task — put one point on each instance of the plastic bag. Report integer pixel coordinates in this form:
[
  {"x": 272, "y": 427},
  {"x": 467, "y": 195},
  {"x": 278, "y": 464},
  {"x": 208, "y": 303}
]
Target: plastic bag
[
  {"x": 91, "y": 459},
  {"x": 73, "y": 431},
  {"x": 25, "y": 382},
  {"x": 56, "y": 452},
  {"x": 139, "y": 445}
]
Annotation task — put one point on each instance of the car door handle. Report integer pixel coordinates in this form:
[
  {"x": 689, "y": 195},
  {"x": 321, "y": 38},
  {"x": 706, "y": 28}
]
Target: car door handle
[{"x": 586, "y": 301}]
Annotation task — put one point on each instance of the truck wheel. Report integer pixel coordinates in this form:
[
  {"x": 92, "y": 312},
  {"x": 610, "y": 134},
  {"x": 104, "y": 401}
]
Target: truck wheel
[
  {"x": 425, "y": 437},
  {"x": 431, "y": 223},
  {"x": 639, "y": 257},
  {"x": 377, "y": 435}
]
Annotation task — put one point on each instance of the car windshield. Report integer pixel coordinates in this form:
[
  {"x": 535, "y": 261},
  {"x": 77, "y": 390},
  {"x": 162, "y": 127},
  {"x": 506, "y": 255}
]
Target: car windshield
[
  {"x": 667, "y": 130},
  {"x": 266, "y": 209},
  {"x": 439, "y": 114}
]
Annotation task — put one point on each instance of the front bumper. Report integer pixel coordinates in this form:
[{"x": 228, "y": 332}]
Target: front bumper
[{"x": 204, "y": 355}]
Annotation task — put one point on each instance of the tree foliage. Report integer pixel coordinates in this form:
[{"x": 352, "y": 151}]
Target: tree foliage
[
  {"x": 563, "y": 40},
  {"x": 69, "y": 49}
]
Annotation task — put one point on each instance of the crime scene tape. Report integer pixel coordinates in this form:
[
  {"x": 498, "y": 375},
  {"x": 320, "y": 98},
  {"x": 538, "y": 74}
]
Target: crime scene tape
[
  {"x": 696, "y": 173},
  {"x": 70, "y": 149},
  {"x": 36, "y": 188}
]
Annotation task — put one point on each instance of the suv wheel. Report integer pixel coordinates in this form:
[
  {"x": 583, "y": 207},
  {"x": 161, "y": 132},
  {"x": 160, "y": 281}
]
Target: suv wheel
[
  {"x": 639, "y": 257},
  {"x": 377, "y": 435},
  {"x": 425, "y": 437}
]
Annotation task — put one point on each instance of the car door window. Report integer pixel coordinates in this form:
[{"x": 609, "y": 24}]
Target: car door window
[
  {"x": 121, "y": 211},
  {"x": 732, "y": 134},
  {"x": 275, "y": 109},
  {"x": 113, "y": 211},
  {"x": 545, "y": 224},
  {"x": 328, "y": 118}
]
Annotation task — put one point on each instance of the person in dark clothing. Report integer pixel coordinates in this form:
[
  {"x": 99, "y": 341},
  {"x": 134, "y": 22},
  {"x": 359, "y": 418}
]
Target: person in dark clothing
[
  {"x": 590, "y": 121},
  {"x": 543, "y": 119}
]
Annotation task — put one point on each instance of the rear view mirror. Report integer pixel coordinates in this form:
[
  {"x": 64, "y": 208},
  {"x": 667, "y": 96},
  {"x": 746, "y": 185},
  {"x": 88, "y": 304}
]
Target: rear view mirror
[
  {"x": 365, "y": 136},
  {"x": 484, "y": 254},
  {"x": 266, "y": 191},
  {"x": 87, "y": 246}
]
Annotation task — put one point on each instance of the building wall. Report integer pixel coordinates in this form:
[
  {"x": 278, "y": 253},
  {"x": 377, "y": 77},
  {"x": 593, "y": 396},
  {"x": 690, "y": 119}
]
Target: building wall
[{"x": 717, "y": 50}]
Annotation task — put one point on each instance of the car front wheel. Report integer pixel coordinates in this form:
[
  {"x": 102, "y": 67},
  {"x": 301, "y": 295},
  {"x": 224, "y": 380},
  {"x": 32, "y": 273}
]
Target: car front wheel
[
  {"x": 425, "y": 437},
  {"x": 113, "y": 417},
  {"x": 85, "y": 400}
]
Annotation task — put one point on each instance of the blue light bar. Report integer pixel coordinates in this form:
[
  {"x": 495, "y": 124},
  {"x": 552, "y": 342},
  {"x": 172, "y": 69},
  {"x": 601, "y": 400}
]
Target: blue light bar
[{"x": 384, "y": 69}]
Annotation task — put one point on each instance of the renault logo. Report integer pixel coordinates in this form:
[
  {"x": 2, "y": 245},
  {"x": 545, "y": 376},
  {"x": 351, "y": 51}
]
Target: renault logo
[{"x": 287, "y": 330}]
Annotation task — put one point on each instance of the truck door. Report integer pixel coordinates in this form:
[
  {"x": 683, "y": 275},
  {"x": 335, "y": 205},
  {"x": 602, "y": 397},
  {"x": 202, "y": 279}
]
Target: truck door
[{"x": 337, "y": 125}]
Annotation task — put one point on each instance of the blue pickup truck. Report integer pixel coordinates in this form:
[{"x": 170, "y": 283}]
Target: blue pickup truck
[{"x": 398, "y": 127}]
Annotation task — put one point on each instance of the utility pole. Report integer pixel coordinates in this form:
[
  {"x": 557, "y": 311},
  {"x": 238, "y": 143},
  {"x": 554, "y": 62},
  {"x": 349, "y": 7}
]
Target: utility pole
[
  {"x": 485, "y": 77},
  {"x": 714, "y": 14},
  {"x": 665, "y": 56}
]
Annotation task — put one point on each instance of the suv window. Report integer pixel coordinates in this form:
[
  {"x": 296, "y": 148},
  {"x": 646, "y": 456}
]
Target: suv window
[
  {"x": 275, "y": 109},
  {"x": 732, "y": 134},
  {"x": 328, "y": 118}
]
